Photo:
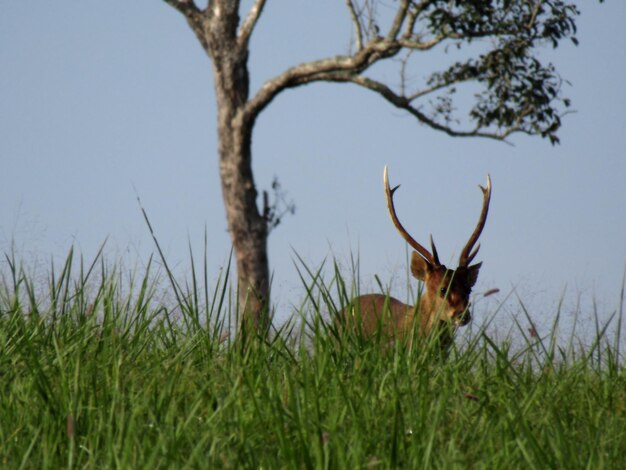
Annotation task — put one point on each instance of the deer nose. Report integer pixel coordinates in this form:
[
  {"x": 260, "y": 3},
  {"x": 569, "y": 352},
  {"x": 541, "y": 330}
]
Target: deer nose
[{"x": 463, "y": 317}]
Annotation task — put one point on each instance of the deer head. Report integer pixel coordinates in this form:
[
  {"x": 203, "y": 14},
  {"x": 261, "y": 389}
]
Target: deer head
[
  {"x": 447, "y": 291},
  {"x": 445, "y": 300}
]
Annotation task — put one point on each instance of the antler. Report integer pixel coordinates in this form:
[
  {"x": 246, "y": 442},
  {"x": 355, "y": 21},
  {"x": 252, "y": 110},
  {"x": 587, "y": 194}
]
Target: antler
[
  {"x": 467, "y": 255},
  {"x": 433, "y": 258}
]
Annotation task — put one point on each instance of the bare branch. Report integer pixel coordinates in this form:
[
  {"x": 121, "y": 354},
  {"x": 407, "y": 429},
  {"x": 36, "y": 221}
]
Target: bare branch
[
  {"x": 438, "y": 85},
  {"x": 410, "y": 24},
  {"x": 250, "y": 22},
  {"x": 195, "y": 17},
  {"x": 431, "y": 89},
  {"x": 356, "y": 22},
  {"x": 404, "y": 103},
  {"x": 412, "y": 15},
  {"x": 308, "y": 72},
  {"x": 399, "y": 19},
  {"x": 422, "y": 46},
  {"x": 404, "y": 62},
  {"x": 407, "y": 14},
  {"x": 184, "y": 6}
]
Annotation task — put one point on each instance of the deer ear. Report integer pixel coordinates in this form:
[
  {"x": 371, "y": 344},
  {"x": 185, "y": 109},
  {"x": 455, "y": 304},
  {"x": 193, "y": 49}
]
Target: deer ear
[
  {"x": 472, "y": 273},
  {"x": 419, "y": 266}
]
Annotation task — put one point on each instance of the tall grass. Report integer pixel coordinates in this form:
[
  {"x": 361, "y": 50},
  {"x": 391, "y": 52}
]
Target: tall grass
[{"x": 99, "y": 370}]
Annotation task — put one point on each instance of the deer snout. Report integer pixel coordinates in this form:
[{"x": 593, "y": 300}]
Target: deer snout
[{"x": 463, "y": 317}]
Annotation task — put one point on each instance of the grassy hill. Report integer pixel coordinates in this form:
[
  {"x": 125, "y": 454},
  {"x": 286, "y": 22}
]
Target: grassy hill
[{"x": 97, "y": 372}]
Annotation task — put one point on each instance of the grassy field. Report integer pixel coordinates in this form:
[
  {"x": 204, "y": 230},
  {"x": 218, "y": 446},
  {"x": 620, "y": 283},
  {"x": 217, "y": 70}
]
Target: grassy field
[{"x": 97, "y": 372}]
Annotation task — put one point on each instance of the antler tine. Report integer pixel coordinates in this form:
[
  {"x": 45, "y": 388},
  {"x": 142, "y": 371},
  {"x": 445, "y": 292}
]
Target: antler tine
[
  {"x": 435, "y": 255},
  {"x": 467, "y": 255},
  {"x": 473, "y": 254},
  {"x": 433, "y": 260}
]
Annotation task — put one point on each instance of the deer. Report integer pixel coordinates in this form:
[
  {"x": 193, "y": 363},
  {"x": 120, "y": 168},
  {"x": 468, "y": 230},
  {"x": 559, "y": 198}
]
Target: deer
[{"x": 444, "y": 303}]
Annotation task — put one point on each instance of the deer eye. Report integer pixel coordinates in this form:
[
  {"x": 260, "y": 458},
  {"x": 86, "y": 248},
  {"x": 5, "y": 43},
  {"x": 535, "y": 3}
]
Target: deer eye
[{"x": 443, "y": 291}]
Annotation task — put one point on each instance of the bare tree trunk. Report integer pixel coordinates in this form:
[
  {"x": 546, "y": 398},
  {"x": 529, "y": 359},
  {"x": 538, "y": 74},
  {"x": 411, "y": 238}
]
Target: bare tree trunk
[{"x": 247, "y": 226}]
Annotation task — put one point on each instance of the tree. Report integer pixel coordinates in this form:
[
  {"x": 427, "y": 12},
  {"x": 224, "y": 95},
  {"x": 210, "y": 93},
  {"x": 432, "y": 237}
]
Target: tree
[{"x": 514, "y": 92}]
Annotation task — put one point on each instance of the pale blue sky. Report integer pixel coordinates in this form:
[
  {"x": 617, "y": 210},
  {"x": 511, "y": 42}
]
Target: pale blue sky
[{"x": 102, "y": 99}]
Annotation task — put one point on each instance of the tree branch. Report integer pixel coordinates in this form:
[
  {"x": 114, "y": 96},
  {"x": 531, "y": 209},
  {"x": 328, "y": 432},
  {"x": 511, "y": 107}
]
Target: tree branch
[
  {"x": 356, "y": 22},
  {"x": 519, "y": 91},
  {"x": 404, "y": 103},
  {"x": 246, "y": 29},
  {"x": 183, "y": 6},
  {"x": 410, "y": 24},
  {"x": 422, "y": 45},
  {"x": 399, "y": 19},
  {"x": 366, "y": 55},
  {"x": 195, "y": 17},
  {"x": 307, "y": 72}
]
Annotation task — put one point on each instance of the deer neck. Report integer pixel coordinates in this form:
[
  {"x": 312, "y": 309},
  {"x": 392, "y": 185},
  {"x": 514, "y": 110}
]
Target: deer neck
[{"x": 428, "y": 313}]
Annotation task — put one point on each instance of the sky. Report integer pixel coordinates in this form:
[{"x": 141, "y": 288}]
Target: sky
[{"x": 104, "y": 102}]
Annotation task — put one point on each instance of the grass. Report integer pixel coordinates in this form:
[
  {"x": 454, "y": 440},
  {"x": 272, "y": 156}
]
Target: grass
[{"x": 98, "y": 371}]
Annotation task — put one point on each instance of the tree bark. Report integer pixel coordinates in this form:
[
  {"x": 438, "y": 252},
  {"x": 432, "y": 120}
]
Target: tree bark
[{"x": 246, "y": 225}]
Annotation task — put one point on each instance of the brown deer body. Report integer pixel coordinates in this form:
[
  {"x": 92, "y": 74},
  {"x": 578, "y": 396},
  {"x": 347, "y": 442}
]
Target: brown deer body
[{"x": 444, "y": 303}]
